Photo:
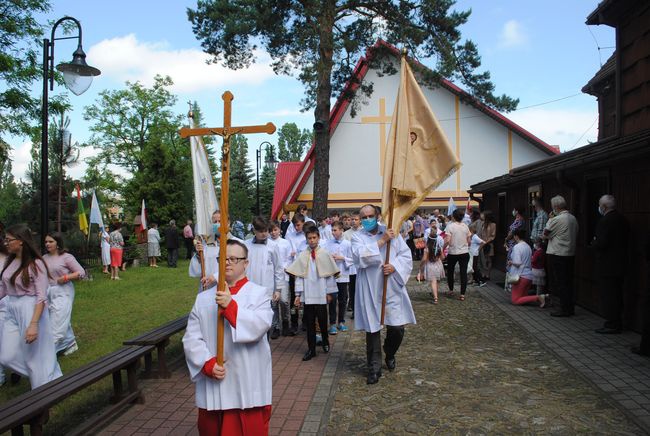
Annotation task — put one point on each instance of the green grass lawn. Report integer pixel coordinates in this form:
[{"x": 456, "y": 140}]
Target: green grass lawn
[{"x": 107, "y": 312}]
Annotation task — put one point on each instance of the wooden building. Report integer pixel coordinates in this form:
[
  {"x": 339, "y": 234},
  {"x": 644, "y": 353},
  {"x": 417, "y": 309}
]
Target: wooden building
[
  {"x": 618, "y": 164},
  {"x": 486, "y": 142}
]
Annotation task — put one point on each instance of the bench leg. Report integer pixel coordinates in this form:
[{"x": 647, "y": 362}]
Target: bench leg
[
  {"x": 163, "y": 372},
  {"x": 36, "y": 425},
  {"x": 147, "y": 365},
  {"x": 132, "y": 377},
  {"x": 118, "y": 392}
]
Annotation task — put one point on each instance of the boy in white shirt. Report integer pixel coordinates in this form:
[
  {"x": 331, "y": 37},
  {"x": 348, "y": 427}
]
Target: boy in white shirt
[
  {"x": 324, "y": 229},
  {"x": 281, "y": 306},
  {"x": 315, "y": 273},
  {"x": 341, "y": 251}
]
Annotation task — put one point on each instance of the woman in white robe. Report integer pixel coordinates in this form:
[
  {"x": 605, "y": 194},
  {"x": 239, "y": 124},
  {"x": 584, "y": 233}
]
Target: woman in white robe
[{"x": 106, "y": 249}]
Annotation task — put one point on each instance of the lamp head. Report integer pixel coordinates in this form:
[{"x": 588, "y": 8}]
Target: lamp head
[{"x": 77, "y": 74}]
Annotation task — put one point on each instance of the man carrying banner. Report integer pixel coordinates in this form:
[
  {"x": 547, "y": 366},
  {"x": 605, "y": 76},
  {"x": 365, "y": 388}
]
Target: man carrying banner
[
  {"x": 418, "y": 158},
  {"x": 369, "y": 252}
]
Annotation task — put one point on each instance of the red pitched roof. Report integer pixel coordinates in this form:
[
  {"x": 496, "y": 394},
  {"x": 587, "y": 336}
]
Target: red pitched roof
[
  {"x": 300, "y": 176},
  {"x": 284, "y": 176}
]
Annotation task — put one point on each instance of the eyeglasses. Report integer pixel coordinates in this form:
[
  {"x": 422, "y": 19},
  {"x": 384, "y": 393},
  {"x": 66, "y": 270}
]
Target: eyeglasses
[
  {"x": 8, "y": 240},
  {"x": 234, "y": 260}
]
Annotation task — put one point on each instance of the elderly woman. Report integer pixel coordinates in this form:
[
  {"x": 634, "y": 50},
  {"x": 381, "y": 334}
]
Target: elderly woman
[
  {"x": 153, "y": 245},
  {"x": 457, "y": 238},
  {"x": 106, "y": 249},
  {"x": 519, "y": 265},
  {"x": 27, "y": 341},
  {"x": 117, "y": 243}
]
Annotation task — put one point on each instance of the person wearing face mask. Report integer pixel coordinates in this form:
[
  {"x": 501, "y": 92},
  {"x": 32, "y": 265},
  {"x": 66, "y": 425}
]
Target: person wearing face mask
[
  {"x": 369, "y": 256},
  {"x": 611, "y": 245},
  {"x": 561, "y": 232}
]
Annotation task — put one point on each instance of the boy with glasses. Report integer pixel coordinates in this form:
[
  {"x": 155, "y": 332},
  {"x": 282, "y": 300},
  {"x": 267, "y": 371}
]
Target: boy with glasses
[{"x": 234, "y": 398}]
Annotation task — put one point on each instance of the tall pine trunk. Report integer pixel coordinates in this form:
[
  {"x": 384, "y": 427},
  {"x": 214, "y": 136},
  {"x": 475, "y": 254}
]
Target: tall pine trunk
[{"x": 322, "y": 111}]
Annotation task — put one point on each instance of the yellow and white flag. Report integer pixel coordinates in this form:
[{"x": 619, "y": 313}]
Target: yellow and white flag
[{"x": 418, "y": 155}]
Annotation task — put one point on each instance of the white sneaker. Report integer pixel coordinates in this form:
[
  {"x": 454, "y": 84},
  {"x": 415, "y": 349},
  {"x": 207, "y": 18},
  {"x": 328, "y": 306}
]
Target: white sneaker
[{"x": 71, "y": 349}]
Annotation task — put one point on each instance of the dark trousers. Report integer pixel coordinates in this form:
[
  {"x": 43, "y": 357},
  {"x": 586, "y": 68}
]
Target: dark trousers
[
  {"x": 189, "y": 247},
  {"x": 394, "y": 336},
  {"x": 351, "y": 288},
  {"x": 172, "y": 257},
  {"x": 340, "y": 301},
  {"x": 561, "y": 272},
  {"x": 477, "y": 270},
  {"x": 313, "y": 312},
  {"x": 462, "y": 260},
  {"x": 611, "y": 293},
  {"x": 292, "y": 297}
]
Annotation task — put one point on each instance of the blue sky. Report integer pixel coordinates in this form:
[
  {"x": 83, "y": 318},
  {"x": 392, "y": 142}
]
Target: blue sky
[{"x": 535, "y": 51}]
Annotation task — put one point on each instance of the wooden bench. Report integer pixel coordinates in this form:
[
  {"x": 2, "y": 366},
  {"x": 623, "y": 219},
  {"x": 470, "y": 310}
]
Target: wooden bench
[
  {"x": 159, "y": 337},
  {"x": 32, "y": 408}
]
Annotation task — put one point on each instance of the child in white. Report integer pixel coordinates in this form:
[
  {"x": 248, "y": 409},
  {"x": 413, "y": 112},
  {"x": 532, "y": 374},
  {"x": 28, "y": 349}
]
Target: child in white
[{"x": 341, "y": 251}]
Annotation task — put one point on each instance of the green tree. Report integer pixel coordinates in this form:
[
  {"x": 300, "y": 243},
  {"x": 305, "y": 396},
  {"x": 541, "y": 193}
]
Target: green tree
[
  {"x": 10, "y": 196},
  {"x": 20, "y": 41},
  {"x": 319, "y": 42},
  {"x": 292, "y": 142},
  {"x": 267, "y": 183},
  {"x": 241, "y": 200},
  {"x": 124, "y": 121}
]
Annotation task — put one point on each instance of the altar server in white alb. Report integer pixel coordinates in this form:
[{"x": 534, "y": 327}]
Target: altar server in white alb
[
  {"x": 369, "y": 254},
  {"x": 233, "y": 399},
  {"x": 265, "y": 265},
  {"x": 281, "y": 306},
  {"x": 63, "y": 268},
  {"x": 27, "y": 345},
  {"x": 210, "y": 253}
]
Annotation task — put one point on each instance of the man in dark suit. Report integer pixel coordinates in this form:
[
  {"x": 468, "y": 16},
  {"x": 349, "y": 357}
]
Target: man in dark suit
[
  {"x": 171, "y": 242},
  {"x": 611, "y": 244},
  {"x": 284, "y": 224}
]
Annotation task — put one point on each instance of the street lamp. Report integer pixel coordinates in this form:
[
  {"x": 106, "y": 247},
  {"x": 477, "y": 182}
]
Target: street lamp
[
  {"x": 77, "y": 76},
  {"x": 270, "y": 162}
]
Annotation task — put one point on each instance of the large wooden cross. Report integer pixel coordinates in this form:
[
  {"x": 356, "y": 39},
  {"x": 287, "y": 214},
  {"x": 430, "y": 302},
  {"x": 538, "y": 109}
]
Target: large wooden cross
[
  {"x": 226, "y": 133},
  {"x": 382, "y": 119}
]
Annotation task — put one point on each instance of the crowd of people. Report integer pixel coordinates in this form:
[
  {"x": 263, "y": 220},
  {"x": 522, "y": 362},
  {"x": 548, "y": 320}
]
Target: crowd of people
[{"x": 303, "y": 274}]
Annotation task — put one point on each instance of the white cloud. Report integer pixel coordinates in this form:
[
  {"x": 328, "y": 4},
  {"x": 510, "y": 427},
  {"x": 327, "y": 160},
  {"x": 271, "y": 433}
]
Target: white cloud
[
  {"x": 563, "y": 127},
  {"x": 20, "y": 159},
  {"x": 512, "y": 35},
  {"x": 126, "y": 58}
]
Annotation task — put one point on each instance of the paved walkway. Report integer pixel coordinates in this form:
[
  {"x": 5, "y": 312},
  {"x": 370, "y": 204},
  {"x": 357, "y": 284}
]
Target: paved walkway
[
  {"x": 300, "y": 394},
  {"x": 464, "y": 368},
  {"x": 604, "y": 360}
]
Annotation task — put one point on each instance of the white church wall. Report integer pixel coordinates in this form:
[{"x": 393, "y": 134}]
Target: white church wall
[{"x": 523, "y": 153}]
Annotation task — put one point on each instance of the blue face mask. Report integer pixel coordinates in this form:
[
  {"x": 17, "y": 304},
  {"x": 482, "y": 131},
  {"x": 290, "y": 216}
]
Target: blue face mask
[
  {"x": 369, "y": 224},
  {"x": 215, "y": 229}
]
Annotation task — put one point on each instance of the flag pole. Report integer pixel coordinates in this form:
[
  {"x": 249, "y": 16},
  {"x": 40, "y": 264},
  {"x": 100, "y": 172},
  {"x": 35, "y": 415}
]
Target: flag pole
[{"x": 388, "y": 244}]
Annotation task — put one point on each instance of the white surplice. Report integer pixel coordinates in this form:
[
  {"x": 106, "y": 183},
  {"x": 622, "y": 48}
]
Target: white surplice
[
  {"x": 265, "y": 266},
  {"x": 247, "y": 353},
  {"x": 369, "y": 260},
  {"x": 210, "y": 260},
  {"x": 342, "y": 247}
]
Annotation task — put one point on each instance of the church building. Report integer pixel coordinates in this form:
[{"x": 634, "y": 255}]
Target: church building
[{"x": 487, "y": 143}]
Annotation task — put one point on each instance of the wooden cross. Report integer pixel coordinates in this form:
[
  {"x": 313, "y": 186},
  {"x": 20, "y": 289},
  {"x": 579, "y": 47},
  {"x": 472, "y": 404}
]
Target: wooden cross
[
  {"x": 226, "y": 133},
  {"x": 382, "y": 119}
]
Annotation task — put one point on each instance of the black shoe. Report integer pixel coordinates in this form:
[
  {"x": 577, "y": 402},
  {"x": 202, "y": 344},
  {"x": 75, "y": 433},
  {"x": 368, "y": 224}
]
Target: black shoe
[
  {"x": 285, "y": 329},
  {"x": 308, "y": 355},
  {"x": 390, "y": 363},
  {"x": 637, "y": 350},
  {"x": 326, "y": 348},
  {"x": 373, "y": 378},
  {"x": 608, "y": 331},
  {"x": 275, "y": 333},
  {"x": 561, "y": 314}
]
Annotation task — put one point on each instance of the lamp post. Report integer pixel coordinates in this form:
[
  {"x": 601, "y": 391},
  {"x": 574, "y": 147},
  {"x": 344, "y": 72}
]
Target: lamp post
[
  {"x": 77, "y": 76},
  {"x": 270, "y": 162}
]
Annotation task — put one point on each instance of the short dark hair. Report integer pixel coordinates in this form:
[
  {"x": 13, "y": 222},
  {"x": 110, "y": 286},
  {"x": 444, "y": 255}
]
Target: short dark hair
[
  {"x": 298, "y": 218},
  {"x": 261, "y": 224},
  {"x": 520, "y": 233},
  {"x": 310, "y": 229},
  {"x": 458, "y": 215},
  {"x": 273, "y": 224},
  {"x": 335, "y": 213},
  {"x": 337, "y": 224},
  {"x": 239, "y": 244},
  {"x": 301, "y": 206}
]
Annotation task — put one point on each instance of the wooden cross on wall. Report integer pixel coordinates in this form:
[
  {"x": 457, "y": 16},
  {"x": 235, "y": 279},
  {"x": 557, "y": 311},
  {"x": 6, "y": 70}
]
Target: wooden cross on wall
[{"x": 226, "y": 133}]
